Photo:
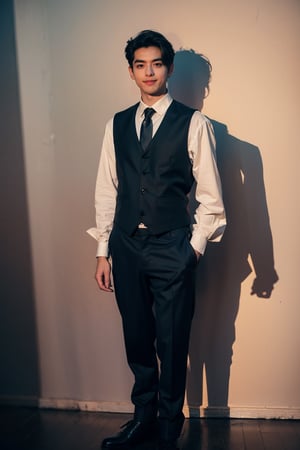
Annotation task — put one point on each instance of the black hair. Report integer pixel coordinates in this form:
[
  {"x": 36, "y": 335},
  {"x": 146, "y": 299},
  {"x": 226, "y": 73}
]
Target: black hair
[{"x": 149, "y": 38}]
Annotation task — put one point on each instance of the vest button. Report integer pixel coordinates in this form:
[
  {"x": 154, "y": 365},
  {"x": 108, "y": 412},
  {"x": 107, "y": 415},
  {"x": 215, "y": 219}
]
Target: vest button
[{"x": 143, "y": 190}]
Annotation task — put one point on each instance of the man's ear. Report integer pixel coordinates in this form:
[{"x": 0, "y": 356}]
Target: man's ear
[{"x": 131, "y": 73}]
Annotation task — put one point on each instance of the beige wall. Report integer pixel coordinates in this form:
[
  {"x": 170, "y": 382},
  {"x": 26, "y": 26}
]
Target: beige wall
[{"x": 73, "y": 77}]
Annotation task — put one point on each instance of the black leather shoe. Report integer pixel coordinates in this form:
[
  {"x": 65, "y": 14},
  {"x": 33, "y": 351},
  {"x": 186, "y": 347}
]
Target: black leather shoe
[
  {"x": 132, "y": 433},
  {"x": 167, "y": 445}
]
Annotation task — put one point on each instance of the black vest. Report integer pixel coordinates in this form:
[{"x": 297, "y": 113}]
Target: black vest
[{"x": 153, "y": 184}]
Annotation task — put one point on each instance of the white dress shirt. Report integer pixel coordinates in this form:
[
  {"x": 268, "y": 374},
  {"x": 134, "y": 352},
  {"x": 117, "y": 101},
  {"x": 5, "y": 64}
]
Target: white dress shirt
[{"x": 209, "y": 217}]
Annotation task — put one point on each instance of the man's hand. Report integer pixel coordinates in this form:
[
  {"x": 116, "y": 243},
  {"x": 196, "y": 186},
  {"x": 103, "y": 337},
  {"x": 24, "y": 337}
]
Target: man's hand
[{"x": 103, "y": 274}]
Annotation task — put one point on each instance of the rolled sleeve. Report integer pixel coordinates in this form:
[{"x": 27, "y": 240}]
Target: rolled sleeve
[
  {"x": 210, "y": 219},
  {"x": 105, "y": 193}
]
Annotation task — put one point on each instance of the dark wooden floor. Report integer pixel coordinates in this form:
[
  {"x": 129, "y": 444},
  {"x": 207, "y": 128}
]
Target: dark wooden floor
[{"x": 33, "y": 429}]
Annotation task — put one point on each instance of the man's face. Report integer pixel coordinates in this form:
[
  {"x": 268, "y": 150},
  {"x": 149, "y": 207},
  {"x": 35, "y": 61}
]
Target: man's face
[{"x": 149, "y": 73}]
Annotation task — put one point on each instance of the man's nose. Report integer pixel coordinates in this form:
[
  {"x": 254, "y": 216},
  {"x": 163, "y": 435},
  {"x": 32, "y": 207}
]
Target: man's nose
[{"x": 149, "y": 70}]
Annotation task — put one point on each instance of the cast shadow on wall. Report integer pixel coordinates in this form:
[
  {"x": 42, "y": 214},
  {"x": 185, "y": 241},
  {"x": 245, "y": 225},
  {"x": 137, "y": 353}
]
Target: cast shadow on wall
[
  {"x": 225, "y": 265},
  {"x": 19, "y": 372}
]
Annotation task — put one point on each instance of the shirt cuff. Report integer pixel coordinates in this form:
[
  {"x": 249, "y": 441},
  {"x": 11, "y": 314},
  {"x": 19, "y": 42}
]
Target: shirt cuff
[
  {"x": 102, "y": 249},
  {"x": 199, "y": 243}
]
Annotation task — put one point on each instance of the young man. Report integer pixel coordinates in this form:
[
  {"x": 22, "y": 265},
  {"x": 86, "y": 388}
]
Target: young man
[{"x": 149, "y": 161}]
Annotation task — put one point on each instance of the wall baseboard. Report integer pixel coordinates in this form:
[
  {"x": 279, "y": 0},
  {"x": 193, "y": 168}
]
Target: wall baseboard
[
  {"x": 81, "y": 405},
  {"x": 243, "y": 412},
  {"x": 232, "y": 412}
]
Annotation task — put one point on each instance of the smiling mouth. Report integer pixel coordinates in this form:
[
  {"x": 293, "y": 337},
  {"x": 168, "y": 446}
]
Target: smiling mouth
[{"x": 149, "y": 82}]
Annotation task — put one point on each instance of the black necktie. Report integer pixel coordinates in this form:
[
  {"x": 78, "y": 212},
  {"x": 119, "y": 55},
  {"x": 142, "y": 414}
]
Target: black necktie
[{"x": 146, "y": 128}]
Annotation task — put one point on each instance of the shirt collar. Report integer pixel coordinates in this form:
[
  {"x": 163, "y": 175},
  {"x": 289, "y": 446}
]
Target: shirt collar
[{"x": 160, "y": 106}]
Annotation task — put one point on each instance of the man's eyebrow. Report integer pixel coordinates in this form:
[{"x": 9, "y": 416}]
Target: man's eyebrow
[{"x": 143, "y": 61}]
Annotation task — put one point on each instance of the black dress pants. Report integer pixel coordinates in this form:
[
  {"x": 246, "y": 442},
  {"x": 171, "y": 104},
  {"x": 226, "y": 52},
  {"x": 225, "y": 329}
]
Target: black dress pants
[{"x": 154, "y": 286}]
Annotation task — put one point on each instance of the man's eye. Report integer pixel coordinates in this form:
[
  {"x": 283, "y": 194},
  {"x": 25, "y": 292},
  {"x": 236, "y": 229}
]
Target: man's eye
[
  {"x": 139, "y": 66},
  {"x": 158, "y": 64}
]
